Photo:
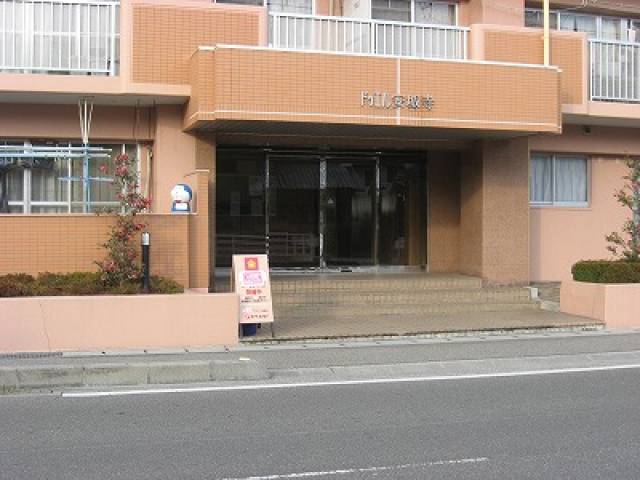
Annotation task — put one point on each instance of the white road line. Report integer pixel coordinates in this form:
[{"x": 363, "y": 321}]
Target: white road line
[
  {"x": 346, "y": 471},
  {"x": 373, "y": 381}
]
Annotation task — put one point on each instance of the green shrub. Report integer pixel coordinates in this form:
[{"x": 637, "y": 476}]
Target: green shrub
[
  {"x": 77, "y": 283},
  {"x": 604, "y": 271},
  {"x": 165, "y": 285}
]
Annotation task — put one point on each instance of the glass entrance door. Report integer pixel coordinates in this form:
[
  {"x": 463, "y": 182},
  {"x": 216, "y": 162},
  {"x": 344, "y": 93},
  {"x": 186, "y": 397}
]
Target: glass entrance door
[
  {"x": 308, "y": 210},
  {"x": 294, "y": 207},
  {"x": 350, "y": 212}
]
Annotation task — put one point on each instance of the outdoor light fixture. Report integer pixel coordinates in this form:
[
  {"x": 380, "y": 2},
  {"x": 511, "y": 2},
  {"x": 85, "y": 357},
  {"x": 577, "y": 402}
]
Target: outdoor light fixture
[{"x": 146, "y": 244}]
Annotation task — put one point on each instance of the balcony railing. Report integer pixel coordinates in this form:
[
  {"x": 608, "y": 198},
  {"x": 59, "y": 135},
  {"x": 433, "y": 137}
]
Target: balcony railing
[
  {"x": 615, "y": 71},
  {"x": 77, "y": 37},
  {"x": 364, "y": 36}
]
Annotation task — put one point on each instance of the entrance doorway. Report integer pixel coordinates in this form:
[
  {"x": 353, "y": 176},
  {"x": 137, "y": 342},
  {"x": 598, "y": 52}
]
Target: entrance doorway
[{"x": 315, "y": 211}]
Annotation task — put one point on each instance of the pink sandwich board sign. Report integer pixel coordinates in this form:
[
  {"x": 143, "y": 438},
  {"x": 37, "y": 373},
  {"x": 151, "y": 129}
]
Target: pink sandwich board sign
[{"x": 250, "y": 280}]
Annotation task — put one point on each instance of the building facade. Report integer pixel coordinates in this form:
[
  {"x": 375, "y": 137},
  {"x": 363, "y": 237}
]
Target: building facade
[{"x": 330, "y": 134}]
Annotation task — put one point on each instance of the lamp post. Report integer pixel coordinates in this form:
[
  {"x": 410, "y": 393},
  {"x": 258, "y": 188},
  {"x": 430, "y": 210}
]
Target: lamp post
[{"x": 146, "y": 245}]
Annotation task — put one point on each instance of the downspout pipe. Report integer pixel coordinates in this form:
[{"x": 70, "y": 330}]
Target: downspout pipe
[{"x": 547, "y": 36}]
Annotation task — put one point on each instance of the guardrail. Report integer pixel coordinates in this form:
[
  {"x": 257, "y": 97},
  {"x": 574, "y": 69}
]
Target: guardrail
[
  {"x": 364, "y": 36},
  {"x": 59, "y": 36},
  {"x": 615, "y": 71}
]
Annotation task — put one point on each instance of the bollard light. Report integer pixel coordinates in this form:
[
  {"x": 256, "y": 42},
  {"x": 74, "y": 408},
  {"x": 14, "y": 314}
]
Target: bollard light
[{"x": 146, "y": 244}]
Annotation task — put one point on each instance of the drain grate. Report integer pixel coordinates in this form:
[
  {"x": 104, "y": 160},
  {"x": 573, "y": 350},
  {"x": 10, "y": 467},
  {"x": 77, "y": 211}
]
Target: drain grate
[{"x": 25, "y": 355}]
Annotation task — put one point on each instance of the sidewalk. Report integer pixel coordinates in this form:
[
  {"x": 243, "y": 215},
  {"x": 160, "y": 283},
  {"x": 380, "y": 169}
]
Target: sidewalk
[
  {"x": 264, "y": 363},
  {"x": 327, "y": 327}
]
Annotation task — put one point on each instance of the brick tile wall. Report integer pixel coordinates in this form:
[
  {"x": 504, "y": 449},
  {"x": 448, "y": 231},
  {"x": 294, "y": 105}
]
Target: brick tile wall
[
  {"x": 270, "y": 85},
  {"x": 165, "y": 36},
  {"x": 66, "y": 243},
  {"x": 527, "y": 47}
]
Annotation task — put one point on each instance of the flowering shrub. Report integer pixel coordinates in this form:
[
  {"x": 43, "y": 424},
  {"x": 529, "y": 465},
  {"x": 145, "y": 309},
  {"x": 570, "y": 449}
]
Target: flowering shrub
[
  {"x": 627, "y": 244},
  {"x": 120, "y": 265}
]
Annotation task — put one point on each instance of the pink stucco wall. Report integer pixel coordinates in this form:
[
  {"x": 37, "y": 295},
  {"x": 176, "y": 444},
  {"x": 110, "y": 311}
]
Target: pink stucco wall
[
  {"x": 618, "y": 306},
  {"x": 561, "y": 236},
  {"x": 49, "y": 324}
]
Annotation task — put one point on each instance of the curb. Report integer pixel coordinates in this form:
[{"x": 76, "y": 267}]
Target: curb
[
  {"x": 49, "y": 378},
  {"x": 579, "y": 327}
]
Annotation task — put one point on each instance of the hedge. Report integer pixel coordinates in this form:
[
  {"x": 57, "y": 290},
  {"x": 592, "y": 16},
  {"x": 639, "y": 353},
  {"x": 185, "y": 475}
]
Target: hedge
[
  {"x": 77, "y": 283},
  {"x": 606, "y": 271}
]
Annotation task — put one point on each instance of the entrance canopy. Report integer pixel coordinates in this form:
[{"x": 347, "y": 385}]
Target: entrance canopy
[{"x": 271, "y": 85}]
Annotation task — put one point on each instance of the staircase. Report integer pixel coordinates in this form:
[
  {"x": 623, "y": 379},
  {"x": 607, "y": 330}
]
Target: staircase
[{"x": 417, "y": 295}]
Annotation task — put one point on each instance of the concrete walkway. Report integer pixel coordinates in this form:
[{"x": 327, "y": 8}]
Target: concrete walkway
[{"x": 389, "y": 325}]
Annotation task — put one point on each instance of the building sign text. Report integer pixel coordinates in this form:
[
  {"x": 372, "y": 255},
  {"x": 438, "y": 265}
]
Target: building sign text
[{"x": 388, "y": 100}]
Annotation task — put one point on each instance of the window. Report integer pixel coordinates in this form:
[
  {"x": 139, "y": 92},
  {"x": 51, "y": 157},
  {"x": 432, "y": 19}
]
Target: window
[
  {"x": 396, "y": 10},
  {"x": 595, "y": 26},
  {"x": 291, "y": 6},
  {"x": 258, "y": 3},
  {"x": 439, "y": 13},
  {"x": 48, "y": 184},
  {"x": 535, "y": 19},
  {"x": 579, "y": 23},
  {"x": 558, "y": 180}
]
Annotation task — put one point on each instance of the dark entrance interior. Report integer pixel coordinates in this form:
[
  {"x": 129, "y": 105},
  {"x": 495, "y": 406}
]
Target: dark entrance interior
[{"x": 315, "y": 211}]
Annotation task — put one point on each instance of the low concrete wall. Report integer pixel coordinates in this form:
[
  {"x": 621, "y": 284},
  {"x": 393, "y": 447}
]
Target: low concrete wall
[
  {"x": 50, "y": 324},
  {"x": 618, "y": 306}
]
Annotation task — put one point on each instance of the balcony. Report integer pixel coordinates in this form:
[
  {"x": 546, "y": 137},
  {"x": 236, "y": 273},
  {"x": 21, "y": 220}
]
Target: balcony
[
  {"x": 615, "y": 71},
  {"x": 366, "y": 37},
  {"x": 66, "y": 37}
]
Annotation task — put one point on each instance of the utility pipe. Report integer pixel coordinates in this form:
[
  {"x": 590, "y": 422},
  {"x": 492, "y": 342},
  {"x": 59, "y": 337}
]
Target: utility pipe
[{"x": 547, "y": 38}]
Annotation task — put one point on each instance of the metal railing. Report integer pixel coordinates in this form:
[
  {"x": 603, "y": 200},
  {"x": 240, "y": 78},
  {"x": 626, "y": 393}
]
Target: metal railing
[
  {"x": 364, "y": 36},
  {"x": 59, "y": 36},
  {"x": 615, "y": 71}
]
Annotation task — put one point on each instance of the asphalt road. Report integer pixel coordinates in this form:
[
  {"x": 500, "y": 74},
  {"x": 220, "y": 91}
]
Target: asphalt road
[{"x": 561, "y": 426}]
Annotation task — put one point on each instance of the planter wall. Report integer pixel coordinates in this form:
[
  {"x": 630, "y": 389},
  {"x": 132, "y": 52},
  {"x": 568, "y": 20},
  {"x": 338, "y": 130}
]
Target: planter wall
[
  {"x": 94, "y": 323},
  {"x": 617, "y": 305}
]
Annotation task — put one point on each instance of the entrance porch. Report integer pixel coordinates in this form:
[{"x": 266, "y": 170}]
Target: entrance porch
[{"x": 338, "y": 305}]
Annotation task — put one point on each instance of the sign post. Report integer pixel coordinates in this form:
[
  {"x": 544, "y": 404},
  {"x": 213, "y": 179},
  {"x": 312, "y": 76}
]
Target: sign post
[{"x": 250, "y": 280}]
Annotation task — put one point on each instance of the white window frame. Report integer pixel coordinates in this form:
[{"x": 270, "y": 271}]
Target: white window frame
[
  {"x": 263, "y": 3},
  {"x": 553, "y": 202},
  {"x": 27, "y": 203},
  {"x": 625, "y": 23},
  {"x": 413, "y": 12}
]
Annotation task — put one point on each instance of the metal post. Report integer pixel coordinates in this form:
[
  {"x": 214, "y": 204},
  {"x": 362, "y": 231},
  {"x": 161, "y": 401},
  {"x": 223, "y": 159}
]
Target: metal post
[
  {"x": 547, "y": 26},
  {"x": 146, "y": 245}
]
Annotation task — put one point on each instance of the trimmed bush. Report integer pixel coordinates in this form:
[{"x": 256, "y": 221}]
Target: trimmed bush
[
  {"x": 77, "y": 283},
  {"x": 604, "y": 271}
]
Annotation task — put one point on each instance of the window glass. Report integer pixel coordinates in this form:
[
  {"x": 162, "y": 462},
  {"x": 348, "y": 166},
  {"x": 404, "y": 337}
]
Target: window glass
[
  {"x": 46, "y": 181},
  {"x": 558, "y": 179},
  {"x": 535, "y": 19},
  {"x": 571, "y": 179},
  {"x": 258, "y": 3},
  {"x": 291, "y": 6},
  {"x": 435, "y": 12},
  {"x": 540, "y": 179},
  {"x": 396, "y": 10},
  {"x": 579, "y": 23},
  {"x": 15, "y": 184},
  {"x": 611, "y": 29}
]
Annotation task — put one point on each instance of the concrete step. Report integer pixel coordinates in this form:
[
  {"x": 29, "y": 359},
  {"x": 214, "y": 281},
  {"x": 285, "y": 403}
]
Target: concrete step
[
  {"x": 420, "y": 297},
  {"x": 360, "y": 311},
  {"x": 371, "y": 282}
]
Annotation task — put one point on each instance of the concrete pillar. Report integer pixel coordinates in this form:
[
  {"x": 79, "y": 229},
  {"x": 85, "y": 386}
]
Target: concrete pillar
[{"x": 494, "y": 211}]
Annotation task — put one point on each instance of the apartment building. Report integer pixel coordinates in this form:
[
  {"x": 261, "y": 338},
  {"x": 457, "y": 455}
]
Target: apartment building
[{"x": 333, "y": 135}]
